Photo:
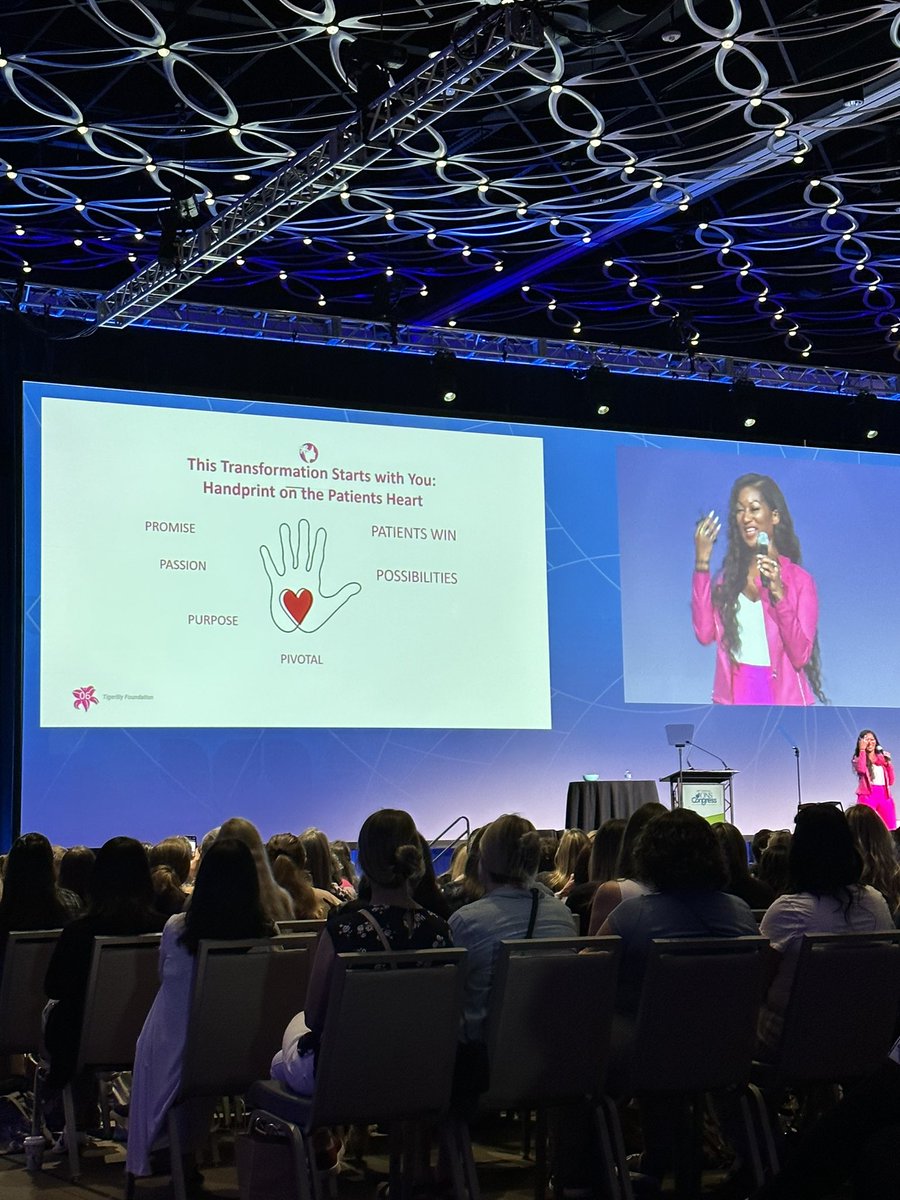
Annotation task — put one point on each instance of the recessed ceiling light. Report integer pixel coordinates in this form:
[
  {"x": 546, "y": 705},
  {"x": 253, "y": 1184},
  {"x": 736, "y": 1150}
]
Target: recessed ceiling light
[
  {"x": 871, "y": 433},
  {"x": 242, "y": 177}
]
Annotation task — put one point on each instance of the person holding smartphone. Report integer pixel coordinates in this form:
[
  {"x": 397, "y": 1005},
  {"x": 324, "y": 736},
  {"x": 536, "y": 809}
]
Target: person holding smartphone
[{"x": 761, "y": 608}]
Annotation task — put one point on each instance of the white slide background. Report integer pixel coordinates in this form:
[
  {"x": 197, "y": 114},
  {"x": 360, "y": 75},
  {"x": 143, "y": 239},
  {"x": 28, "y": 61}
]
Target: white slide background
[{"x": 466, "y": 649}]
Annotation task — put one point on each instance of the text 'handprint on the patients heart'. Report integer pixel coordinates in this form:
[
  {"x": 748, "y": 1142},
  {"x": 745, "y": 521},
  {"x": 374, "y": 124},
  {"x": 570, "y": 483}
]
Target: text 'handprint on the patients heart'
[
  {"x": 297, "y": 604},
  {"x": 297, "y": 596}
]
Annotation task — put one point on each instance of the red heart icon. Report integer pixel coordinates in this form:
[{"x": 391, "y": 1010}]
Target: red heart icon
[{"x": 297, "y": 604}]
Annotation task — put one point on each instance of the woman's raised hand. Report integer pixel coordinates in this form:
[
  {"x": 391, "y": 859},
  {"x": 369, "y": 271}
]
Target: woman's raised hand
[{"x": 705, "y": 534}]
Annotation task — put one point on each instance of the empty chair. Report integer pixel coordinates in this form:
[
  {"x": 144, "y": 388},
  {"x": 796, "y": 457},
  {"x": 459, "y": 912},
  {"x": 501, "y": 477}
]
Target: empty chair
[
  {"x": 121, "y": 986},
  {"x": 548, "y": 1038},
  {"x": 695, "y": 1032},
  {"x": 22, "y": 1000},
  {"x": 393, "y": 1032},
  {"x": 841, "y": 1015},
  {"x": 22, "y": 996}
]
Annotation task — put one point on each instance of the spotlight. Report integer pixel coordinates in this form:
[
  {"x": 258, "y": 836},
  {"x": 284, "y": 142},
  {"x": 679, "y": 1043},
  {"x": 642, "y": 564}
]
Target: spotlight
[{"x": 444, "y": 374}]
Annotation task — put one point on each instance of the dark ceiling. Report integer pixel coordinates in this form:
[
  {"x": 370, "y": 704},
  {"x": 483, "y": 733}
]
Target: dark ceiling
[{"x": 646, "y": 179}]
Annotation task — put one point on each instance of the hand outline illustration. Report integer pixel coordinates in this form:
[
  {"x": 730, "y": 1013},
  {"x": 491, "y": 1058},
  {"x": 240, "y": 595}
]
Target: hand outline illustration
[{"x": 297, "y": 599}]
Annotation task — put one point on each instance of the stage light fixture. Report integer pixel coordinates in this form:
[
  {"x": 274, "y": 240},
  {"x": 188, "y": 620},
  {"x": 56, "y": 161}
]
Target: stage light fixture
[
  {"x": 871, "y": 433},
  {"x": 444, "y": 370}
]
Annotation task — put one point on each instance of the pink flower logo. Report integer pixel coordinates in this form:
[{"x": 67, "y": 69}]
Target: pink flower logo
[{"x": 84, "y": 698}]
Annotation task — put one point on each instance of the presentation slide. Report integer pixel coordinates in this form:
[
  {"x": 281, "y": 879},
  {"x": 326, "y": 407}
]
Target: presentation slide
[
  {"x": 234, "y": 570},
  {"x": 302, "y": 614}
]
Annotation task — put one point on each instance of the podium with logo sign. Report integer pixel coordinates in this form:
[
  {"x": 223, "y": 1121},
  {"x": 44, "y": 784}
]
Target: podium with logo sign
[{"x": 707, "y": 793}]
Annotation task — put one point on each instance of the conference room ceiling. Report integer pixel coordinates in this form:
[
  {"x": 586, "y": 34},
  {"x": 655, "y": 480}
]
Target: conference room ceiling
[{"x": 708, "y": 176}]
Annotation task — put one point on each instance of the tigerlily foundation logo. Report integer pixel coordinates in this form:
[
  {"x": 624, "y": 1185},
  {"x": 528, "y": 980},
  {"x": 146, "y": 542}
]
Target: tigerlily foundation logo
[{"x": 84, "y": 698}]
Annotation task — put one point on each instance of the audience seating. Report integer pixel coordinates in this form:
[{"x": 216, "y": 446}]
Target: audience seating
[
  {"x": 22, "y": 999},
  {"x": 548, "y": 1038},
  {"x": 121, "y": 987},
  {"x": 695, "y": 1033},
  {"x": 393, "y": 1033},
  {"x": 841, "y": 1018},
  {"x": 244, "y": 994}
]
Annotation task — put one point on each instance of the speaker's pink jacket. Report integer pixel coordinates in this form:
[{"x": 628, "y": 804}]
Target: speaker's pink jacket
[
  {"x": 864, "y": 786},
  {"x": 790, "y": 631}
]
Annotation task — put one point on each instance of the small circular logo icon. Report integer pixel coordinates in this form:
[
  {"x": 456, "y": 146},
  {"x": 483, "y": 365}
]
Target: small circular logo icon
[{"x": 309, "y": 452}]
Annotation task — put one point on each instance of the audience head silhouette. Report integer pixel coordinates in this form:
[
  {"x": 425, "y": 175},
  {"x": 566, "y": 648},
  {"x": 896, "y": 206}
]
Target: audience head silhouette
[
  {"x": 510, "y": 852},
  {"x": 824, "y": 859},
  {"x": 678, "y": 852},
  {"x": 390, "y": 854}
]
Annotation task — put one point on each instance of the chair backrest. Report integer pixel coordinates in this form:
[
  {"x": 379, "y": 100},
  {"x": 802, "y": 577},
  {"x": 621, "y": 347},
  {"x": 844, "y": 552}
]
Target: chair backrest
[
  {"x": 391, "y": 1031},
  {"x": 696, "y": 1024},
  {"x": 22, "y": 995},
  {"x": 314, "y": 929},
  {"x": 244, "y": 994},
  {"x": 122, "y": 985},
  {"x": 549, "y": 1020},
  {"x": 840, "y": 1020}
]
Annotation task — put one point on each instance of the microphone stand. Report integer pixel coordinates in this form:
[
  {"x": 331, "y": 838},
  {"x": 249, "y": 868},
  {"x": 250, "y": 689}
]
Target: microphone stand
[
  {"x": 703, "y": 750},
  {"x": 799, "y": 789}
]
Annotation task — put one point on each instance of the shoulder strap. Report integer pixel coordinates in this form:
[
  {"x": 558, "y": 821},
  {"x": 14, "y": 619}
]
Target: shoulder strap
[
  {"x": 535, "y": 897},
  {"x": 364, "y": 912}
]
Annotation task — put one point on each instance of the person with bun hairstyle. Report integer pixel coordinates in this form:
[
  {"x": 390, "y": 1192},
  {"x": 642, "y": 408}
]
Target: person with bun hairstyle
[
  {"x": 513, "y": 906},
  {"x": 875, "y": 776},
  {"x": 390, "y": 857}
]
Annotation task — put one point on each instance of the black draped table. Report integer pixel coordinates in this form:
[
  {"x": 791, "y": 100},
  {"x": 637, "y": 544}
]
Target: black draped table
[{"x": 592, "y": 801}]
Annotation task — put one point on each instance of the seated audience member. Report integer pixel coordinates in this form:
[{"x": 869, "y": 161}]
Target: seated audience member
[
  {"x": 774, "y": 866},
  {"x": 602, "y": 857},
  {"x": 426, "y": 892},
  {"x": 741, "y": 883},
  {"x": 120, "y": 902},
  {"x": 758, "y": 843},
  {"x": 349, "y": 879},
  {"x": 875, "y": 844},
  {"x": 277, "y": 904},
  {"x": 288, "y": 861},
  {"x": 390, "y": 857},
  {"x": 513, "y": 906},
  {"x": 169, "y": 897},
  {"x": 826, "y": 896},
  {"x": 173, "y": 852},
  {"x": 571, "y": 844},
  {"x": 225, "y": 905},
  {"x": 75, "y": 868},
  {"x": 467, "y": 888},
  {"x": 626, "y": 884},
  {"x": 678, "y": 854},
  {"x": 31, "y": 898},
  {"x": 679, "y": 857},
  {"x": 456, "y": 867},
  {"x": 323, "y": 867}
]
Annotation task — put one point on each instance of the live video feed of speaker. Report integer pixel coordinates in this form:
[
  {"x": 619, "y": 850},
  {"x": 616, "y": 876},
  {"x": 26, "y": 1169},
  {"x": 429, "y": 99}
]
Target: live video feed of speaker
[{"x": 301, "y": 614}]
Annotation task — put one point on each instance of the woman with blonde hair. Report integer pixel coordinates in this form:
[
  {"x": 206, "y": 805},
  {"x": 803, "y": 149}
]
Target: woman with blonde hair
[
  {"x": 276, "y": 902},
  {"x": 572, "y": 842}
]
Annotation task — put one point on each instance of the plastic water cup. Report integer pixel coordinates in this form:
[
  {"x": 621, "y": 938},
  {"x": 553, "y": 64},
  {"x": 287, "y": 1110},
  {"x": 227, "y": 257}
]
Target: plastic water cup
[{"x": 34, "y": 1152}]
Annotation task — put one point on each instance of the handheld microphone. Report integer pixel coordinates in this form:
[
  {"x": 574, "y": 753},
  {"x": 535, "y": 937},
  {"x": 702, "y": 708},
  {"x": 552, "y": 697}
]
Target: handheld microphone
[{"x": 762, "y": 547}]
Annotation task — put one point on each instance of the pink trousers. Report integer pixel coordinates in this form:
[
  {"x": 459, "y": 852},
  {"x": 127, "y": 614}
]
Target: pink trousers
[{"x": 879, "y": 799}]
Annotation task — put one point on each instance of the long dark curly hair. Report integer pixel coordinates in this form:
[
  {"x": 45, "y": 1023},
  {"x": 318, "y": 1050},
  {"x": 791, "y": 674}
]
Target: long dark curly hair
[{"x": 738, "y": 554}]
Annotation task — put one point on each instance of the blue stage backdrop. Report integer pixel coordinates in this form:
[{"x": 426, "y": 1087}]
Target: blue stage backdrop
[{"x": 301, "y": 614}]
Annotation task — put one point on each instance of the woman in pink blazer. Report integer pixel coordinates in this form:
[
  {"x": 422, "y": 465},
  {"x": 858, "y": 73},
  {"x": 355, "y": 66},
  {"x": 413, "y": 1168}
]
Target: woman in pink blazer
[
  {"x": 875, "y": 775},
  {"x": 761, "y": 609}
]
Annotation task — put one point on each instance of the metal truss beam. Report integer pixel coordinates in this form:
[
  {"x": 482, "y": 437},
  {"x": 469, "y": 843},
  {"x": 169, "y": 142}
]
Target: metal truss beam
[
  {"x": 317, "y": 329},
  {"x": 474, "y": 61}
]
